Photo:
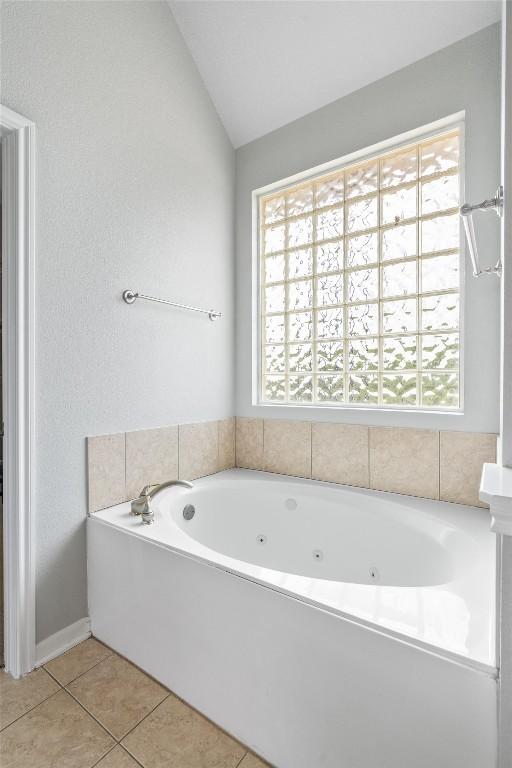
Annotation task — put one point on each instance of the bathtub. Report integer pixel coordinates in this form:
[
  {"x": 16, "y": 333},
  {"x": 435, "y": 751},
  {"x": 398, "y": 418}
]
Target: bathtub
[{"x": 320, "y": 625}]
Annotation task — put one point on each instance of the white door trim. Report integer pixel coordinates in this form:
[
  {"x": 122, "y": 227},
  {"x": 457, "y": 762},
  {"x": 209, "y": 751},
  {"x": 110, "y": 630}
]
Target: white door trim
[
  {"x": 18, "y": 229},
  {"x": 505, "y": 455}
]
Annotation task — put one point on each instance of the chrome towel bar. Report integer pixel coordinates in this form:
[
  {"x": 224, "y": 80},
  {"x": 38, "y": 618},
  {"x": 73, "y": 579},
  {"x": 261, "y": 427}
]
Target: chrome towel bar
[
  {"x": 494, "y": 204},
  {"x": 130, "y": 296}
]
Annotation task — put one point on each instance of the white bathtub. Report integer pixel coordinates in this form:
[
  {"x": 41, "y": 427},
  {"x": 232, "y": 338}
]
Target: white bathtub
[{"x": 321, "y": 625}]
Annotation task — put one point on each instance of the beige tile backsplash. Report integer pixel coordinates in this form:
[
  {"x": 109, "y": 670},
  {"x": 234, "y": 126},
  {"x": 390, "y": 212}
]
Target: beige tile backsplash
[
  {"x": 249, "y": 443},
  {"x": 287, "y": 447},
  {"x": 199, "y": 449},
  {"x": 405, "y": 461},
  {"x": 106, "y": 470},
  {"x": 151, "y": 457},
  {"x": 120, "y": 465},
  {"x": 462, "y": 456},
  {"x": 340, "y": 453},
  {"x": 415, "y": 462},
  {"x": 226, "y": 444}
]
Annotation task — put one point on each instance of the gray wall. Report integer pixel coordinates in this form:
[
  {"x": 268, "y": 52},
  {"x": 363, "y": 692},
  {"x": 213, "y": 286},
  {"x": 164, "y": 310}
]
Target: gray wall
[
  {"x": 464, "y": 76},
  {"x": 135, "y": 179}
]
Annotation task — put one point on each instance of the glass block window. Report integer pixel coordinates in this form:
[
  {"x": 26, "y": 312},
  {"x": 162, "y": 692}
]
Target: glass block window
[{"x": 359, "y": 283}]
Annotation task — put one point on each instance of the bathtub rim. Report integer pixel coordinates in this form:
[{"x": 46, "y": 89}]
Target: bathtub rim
[{"x": 490, "y": 670}]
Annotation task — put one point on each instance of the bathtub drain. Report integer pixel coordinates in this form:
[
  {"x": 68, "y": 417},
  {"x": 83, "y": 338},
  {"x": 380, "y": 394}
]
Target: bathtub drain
[
  {"x": 318, "y": 554},
  {"x": 374, "y": 574},
  {"x": 261, "y": 539}
]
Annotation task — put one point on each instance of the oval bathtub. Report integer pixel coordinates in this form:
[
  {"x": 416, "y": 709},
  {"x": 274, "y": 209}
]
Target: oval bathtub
[
  {"x": 321, "y": 532},
  {"x": 399, "y": 572}
]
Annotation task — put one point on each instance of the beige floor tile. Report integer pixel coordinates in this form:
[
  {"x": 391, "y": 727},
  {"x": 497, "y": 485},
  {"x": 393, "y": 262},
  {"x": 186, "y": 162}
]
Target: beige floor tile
[
  {"x": 118, "y": 758},
  {"x": 175, "y": 736},
  {"x": 78, "y": 660},
  {"x": 251, "y": 761},
  {"x": 118, "y": 694},
  {"x": 56, "y": 734},
  {"x": 19, "y": 696}
]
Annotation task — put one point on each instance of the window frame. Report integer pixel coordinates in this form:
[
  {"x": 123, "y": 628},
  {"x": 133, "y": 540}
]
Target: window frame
[{"x": 424, "y": 133}]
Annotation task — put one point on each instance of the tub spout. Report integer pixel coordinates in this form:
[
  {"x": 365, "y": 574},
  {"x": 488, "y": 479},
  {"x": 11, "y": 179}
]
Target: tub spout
[{"x": 142, "y": 505}]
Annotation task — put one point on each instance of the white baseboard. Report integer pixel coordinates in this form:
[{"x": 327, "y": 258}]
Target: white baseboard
[{"x": 62, "y": 641}]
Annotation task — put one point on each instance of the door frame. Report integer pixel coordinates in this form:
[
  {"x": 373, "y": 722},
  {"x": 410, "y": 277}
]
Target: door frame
[
  {"x": 504, "y": 591},
  {"x": 18, "y": 246}
]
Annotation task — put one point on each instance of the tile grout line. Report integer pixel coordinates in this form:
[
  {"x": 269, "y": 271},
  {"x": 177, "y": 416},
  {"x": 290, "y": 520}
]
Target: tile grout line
[
  {"x": 242, "y": 759},
  {"x": 107, "y": 730},
  {"x": 53, "y": 677},
  {"x": 369, "y": 460},
  {"x": 263, "y": 421},
  {"x": 117, "y": 744},
  {"x": 234, "y": 440},
  {"x": 63, "y": 685},
  {"x": 179, "y": 453},
  {"x": 120, "y": 742},
  {"x": 310, "y": 450},
  {"x": 439, "y": 464},
  {"x": 70, "y": 693},
  {"x": 130, "y": 754},
  {"x": 47, "y": 698},
  {"x": 93, "y": 716},
  {"x": 217, "y": 462},
  {"x": 103, "y": 756},
  {"x": 197, "y": 712},
  {"x": 219, "y": 469}
]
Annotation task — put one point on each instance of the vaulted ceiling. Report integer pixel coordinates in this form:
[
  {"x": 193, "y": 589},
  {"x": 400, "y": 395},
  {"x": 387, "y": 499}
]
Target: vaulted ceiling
[{"x": 268, "y": 62}]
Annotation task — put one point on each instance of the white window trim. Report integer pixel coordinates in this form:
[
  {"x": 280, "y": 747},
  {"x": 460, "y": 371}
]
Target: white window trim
[{"x": 452, "y": 122}]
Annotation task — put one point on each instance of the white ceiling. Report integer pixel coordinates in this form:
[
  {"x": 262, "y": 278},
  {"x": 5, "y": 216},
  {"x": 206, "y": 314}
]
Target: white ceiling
[{"x": 268, "y": 62}]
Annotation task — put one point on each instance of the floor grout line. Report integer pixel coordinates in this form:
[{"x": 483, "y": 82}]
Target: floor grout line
[
  {"x": 105, "y": 755},
  {"x": 141, "y": 721},
  {"x": 91, "y": 715},
  {"x": 63, "y": 685},
  {"x": 130, "y": 754},
  {"x": 96, "y": 719},
  {"x": 117, "y": 744},
  {"x": 143, "y": 671},
  {"x": 197, "y": 712},
  {"x": 53, "y": 678},
  {"x": 242, "y": 759},
  {"x": 47, "y": 698}
]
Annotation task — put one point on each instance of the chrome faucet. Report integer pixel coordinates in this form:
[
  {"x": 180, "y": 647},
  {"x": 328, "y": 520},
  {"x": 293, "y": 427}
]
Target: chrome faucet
[{"x": 142, "y": 505}]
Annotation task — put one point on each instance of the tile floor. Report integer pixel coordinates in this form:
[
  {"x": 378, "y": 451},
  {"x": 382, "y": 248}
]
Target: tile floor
[{"x": 90, "y": 707}]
